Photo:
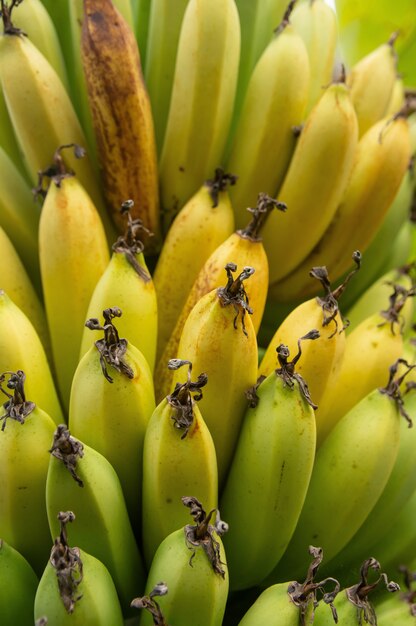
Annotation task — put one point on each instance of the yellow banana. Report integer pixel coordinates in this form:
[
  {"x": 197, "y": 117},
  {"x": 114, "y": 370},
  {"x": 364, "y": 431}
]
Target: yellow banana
[
  {"x": 243, "y": 248},
  {"x": 315, "y": 181},
  {"x": 381, "y": 160},
  {"x": 75, "y": 589},
  {"x": 127, "y": 282},
  {"x": 178, "y": 457},
  {"x": 371, "y": 81},
  {"x": 351, "y": 469},
  {"x": 26, "y": 433},
  {"x": 220, "y": 340},
  {"x": 321, "y": 359},
  {"x": 191, "y": 561},
  {"x": 202, "y": 100},
  {"x": 111, "y": 401},
  {"x": 121, "y": 114},
  {"x": 316, "y": 23},
  {"x": 81, "y": 478},
  {"x": 8, "y": 141},
  {"x": 270, "y": 472},
  {"x": 274, "y": 106},
  {"x": 397, "y": 98},
  {"x": 202, "y": 225},
  {"x": 165, "y": 21},
  {"x": 73, "y": 255},
  {"x": 21, "y": 349},
  {"x": 33, "y": 110},
  {"x": 374, "y": 344},
  {"x": 18, "y": 584}
]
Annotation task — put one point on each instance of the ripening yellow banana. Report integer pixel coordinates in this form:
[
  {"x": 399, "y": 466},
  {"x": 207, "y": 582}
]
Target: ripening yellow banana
[
  {"x": 381, "y": 160},
  {"x": 398, "y": 97},
  {"x": 274, "y": 105},
  {"x": 178, "y": 457},
  {"x": 121, "y": 114},
  {"x": 220, "y": 340},
  {"x": 316, "y": 23},
  {"x": 202, "y": 100},
  {"x": 73, "y": 255},
  {"x": 203, "y": 224},
  {"x": 315, "y": 181},
  {"x": 371, "y": 81}
]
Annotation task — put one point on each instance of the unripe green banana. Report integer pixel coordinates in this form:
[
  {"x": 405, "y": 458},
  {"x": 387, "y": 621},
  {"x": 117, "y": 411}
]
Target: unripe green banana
[
  {"x": 224, "y": 347},
  {"x": 83, "y": 479},
  {"x": 274, "y": 106},
  {"x": 73, "y": 255},
  {"x": 270, "y": 472},
  {"x": 22, "y": 349},
  {"x": 202, "y": 100},
  {"x": 201, "y": 225},
  {"x": 321, "y": 360},
  {"x": 111, "y": 401},
  {"x": 127, "y": 282},
  {"x": 178, "y": 457},
  {"x": 8, "y": 141},
  {"x": 25, "y": 437},
  {"x": 75, "y": 589},
  {"x": 18, "y": 584},
  {"x": 400, "y": 607},
  {"x": 350, "y": 471},
  {"x": 291, "y": 603},
  {"x": 191, "y": 561}
]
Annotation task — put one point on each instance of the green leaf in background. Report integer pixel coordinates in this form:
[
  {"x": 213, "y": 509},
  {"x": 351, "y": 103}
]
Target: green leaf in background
[{"x": 366, "y": 24}]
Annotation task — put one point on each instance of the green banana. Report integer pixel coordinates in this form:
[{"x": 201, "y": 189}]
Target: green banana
[
  {"x": 274, "y": 105},
  {"x": 141, "y": 16},
  {"x": 111, "y": 401},
  {"x": 18, "y": 584},
  {"x": 350, "y": 472},
  {"x": 202, "y": 100},
  {"x": 75, "y": 589},
  {"x": 178, "y": 457},
  {"x": 26, "y": 433},
  {"x": 202, "y": 225},
  {"x": 399, "y": 608},
  {"x": 81, "y": 478},
  {"x": 73, "y": 253},
  {"x": 127, "y": 282},
  {"x": 191, "y": 561},
  {"x": 270, "y": 472},
  {"x": 21, "y": 348},
  {"x": 8, "y": 141},
  {"x": 215, "y": 343}
]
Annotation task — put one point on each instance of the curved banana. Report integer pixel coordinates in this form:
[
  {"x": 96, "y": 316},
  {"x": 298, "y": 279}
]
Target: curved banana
[
  {"x": 315, "y": 181},
  {"x": 316, "y": 23},
  {"x": 243, "y": 248},
  {"x": 73, "y": 255},
  {"x": 164, "y": 27},
  {"x": 224, "y": 347},
  {"x": 398, "y": 608},
  {"x": 321, "y": 360},
  {"x": 202, "y": 100},
  {"x": 21, "y": 348},
  {"x": 127, "y": 282},
  {"x": 141, "y": 17},
  {"x": 111, "y": 401},
  {"x": 351, "y": 469},
  {"x": 81, "y": 478},
  {"x": 381, "y": 160},
  {"x": 274, "y": 105},
  {"x": 178, "y": 457},
  {"x": 371, "y": 81},
  {"x": 202, "y": 225},
  {"x": 39, "y": 130},
  {"x": 75, "y": 589},
  {"x": 372, "y": 347},
  {"x": 191, "y": 561},
  {"x": 270, "y": 471},
  {"x": 8, "y": 141},
  {"x": 25, "y": 436},
  {"x": 121, "y": 114},
  {"x": 18, "y": 584},
  {"x": 398, "y": 97}
]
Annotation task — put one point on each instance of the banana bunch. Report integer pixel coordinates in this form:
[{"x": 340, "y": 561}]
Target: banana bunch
[{"x": 206, "y": 305}]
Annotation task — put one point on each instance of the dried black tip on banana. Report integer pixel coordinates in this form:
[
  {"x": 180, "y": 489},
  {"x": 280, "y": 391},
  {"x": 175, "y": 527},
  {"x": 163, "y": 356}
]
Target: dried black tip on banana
[
  {"x": 260, "y": 213},
  {"x": 57, "y": 171},
  {"x": 112, "y": 349},
  {"x": 393, "y": 387},
  {"x": 221, "y": 181},
  {"x": 235, "y": 294},
  {"x": 397, "y": 300},
  {"x": 68, "y": 450},
  {"x": 130, "y": 243},
  {"x": 150, "y": 604},
  {"x": 181, "y": 398},
  {"x": 287, "y": 372},
  {"x": 6, "y": 15},
  {"x": 16, "y": 406},
  {"x": 67, "y": 564}
]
